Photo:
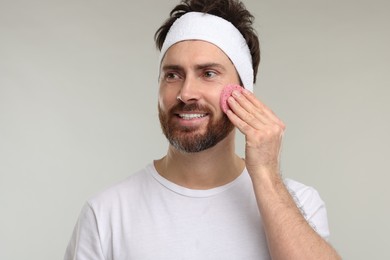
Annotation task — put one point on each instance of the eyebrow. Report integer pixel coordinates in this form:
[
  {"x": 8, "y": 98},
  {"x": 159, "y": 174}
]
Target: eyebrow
[
  {"x": 209, "y": 65},
  {"x": 171, "y": 67},
  {"x": 197, "y": 67}
]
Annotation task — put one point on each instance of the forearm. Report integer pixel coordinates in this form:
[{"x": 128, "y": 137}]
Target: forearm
[{"x": 288, "y": 233}]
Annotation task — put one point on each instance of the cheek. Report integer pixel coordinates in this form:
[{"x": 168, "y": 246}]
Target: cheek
[
  {"x": 166, "y": 99},
  {"x": 163, "y": 104},
  {"x": 217, "y": 100}
]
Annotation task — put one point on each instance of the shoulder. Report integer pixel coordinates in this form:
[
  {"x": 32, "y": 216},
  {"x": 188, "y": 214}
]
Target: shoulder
[
  {"x": 125, "y": 190},
  {"x": 311, "y": 205},
  {"x": 305, "y": 194}
]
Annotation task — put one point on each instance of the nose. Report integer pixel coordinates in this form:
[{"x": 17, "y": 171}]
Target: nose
[{"x": 189, "y": 91}]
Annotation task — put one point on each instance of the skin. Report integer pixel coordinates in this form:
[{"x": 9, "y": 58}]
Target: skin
[
  {"x": 197, "y": 72},
  {"x": 185, "y": 74}
]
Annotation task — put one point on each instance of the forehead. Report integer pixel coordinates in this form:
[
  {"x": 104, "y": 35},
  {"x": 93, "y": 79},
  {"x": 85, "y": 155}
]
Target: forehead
[{"x": 195, "y": 51}]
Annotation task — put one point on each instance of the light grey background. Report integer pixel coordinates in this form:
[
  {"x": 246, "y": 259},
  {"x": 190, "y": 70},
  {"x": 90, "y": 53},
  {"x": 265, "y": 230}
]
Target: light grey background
[{"x": 78, "y": 93}]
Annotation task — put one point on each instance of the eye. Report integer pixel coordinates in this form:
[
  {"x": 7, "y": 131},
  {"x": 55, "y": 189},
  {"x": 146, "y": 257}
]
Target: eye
[
  {"x": 209, "y": 74},
  {"x": 171, "y": 76}
]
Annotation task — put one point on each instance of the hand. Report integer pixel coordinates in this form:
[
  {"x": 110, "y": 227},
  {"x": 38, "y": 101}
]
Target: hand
[{"x": 263, "y": 132}]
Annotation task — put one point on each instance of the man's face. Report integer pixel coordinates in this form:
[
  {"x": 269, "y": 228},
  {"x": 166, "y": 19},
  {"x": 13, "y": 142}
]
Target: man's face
[{"x": 195, "y": 71}]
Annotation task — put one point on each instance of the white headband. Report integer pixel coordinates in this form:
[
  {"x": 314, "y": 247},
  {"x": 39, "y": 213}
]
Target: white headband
[{"x": 218, "y": 31}]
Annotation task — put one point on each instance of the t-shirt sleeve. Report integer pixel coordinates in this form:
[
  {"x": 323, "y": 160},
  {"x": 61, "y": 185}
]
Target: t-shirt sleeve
[
  {"x": 311, "y": 206},
  {"x": 85, "y": 241}
]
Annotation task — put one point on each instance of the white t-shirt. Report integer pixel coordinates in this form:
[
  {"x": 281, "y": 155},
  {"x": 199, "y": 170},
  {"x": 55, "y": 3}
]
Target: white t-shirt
[{"x": 148, "y": 217}]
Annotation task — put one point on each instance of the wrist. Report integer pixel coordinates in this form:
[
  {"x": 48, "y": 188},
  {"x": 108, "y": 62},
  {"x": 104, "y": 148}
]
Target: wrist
[{"x": 264, "y": 173}]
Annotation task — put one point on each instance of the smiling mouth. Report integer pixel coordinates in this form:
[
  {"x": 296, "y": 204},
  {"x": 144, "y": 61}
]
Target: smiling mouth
[{"x": 191, "y": 116}]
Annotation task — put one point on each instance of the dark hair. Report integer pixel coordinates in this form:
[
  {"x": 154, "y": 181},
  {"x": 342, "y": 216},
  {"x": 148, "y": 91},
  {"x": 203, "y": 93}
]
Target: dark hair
[{"x": 233, "y": 11}]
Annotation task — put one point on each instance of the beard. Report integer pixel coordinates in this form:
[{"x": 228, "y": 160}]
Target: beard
[{"x": 190, "y": 139}]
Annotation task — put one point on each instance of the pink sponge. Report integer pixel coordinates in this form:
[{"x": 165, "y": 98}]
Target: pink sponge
[{"x": 226, "y": 93}]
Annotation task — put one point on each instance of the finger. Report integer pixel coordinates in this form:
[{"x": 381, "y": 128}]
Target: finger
[
  {"x": 262, "y": 133},
  {"x": 253, "y": 119},
  {"x": 258, "y": 108},
  {"x": 242, "y": 126},
  {"x": 252, "y": 111}
]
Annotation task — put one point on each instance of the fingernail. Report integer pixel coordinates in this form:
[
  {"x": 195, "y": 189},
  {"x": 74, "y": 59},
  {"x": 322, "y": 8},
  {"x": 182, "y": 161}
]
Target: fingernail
[
  {"x": 236, "y": 93},
  {"x": 245, "y": 91}
]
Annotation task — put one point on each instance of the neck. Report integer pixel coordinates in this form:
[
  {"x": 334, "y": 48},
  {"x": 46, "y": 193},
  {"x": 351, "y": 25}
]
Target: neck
[{"x": 208, "y": 169}]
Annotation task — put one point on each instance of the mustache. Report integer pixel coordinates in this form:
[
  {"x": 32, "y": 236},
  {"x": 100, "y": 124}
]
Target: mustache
[{"x": 182, "y": 107}]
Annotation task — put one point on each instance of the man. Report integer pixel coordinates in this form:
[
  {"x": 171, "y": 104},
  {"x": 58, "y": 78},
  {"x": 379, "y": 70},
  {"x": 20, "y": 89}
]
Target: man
[{"x": 201, "y": 201}]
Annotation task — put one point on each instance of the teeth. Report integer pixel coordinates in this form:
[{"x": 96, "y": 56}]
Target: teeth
[{"x": 191, "y": 116}]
